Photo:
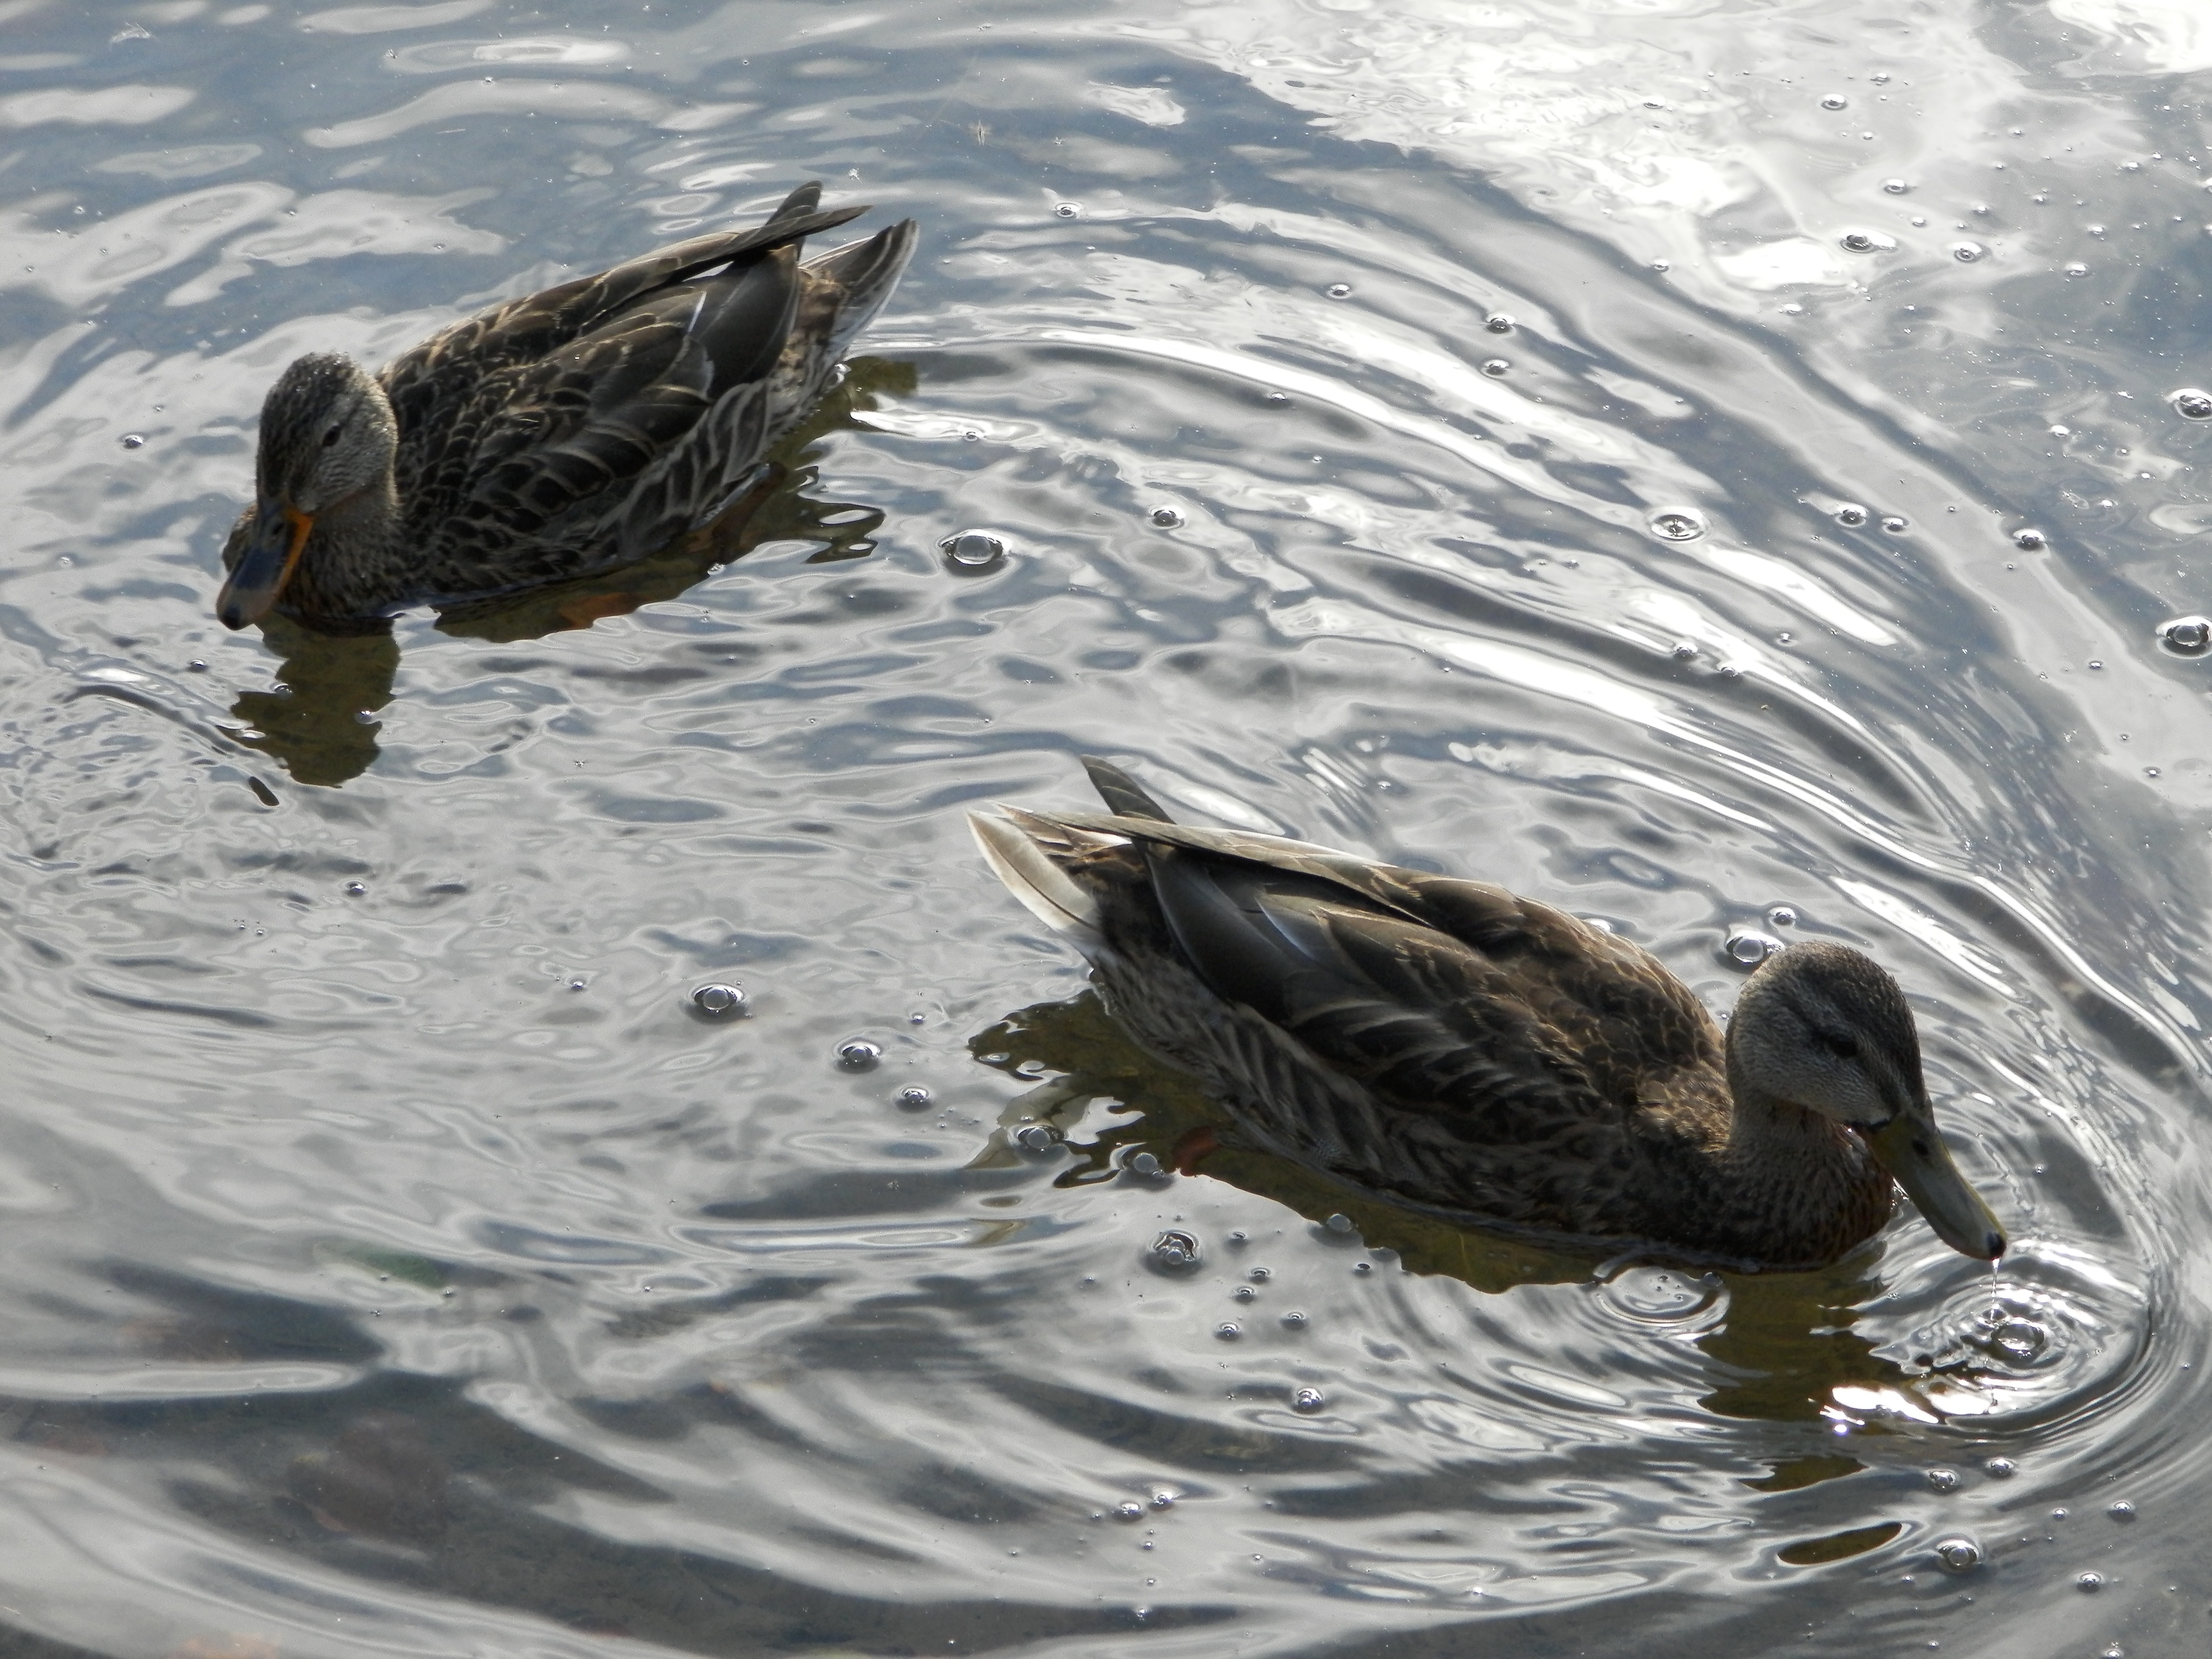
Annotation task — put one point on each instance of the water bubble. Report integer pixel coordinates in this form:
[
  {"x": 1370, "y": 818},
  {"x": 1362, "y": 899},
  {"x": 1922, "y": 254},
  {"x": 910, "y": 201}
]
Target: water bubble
[
  {"x": 2122, "y": 1510},
  {"x": 1238, "y": 1236},
  {"x": 1498, "y": 322},
  {"x": 2019, "y": 1339},
  {"x": 1866, "y": 241},
  {"x": 1293, "y": 1321},
  {"x": 1307, "y": 1401},
  {"x": 1851, "y": 515},
  {"x": 970, "y": 435},
  {"x": 1895, "y": 524},
  {"x": 1683, "y": 650},
  {"x": 1230, "y": 1331},
  {"x": 1966, "y": 253},
  {"x": 719, "y": 1001},
  {"x": 1144, "y": 1165},
  {"x": 1895, "y": 186},
  {"x": 133, "y": 440},
  {"x": 1835, "y": 100},
  {"x": 1129, "y": 1509},
  {"x": 2075, "y": 268},
  {"x": 2190, "y": 403},
  {"x": 1362, "y": 1266},
  {"x": 1747, "y": 949},
  {"x": 1176, "y": 1251},
  {"x": 913, "y": 1096},
  {"x": 1277, "y": 400},
  {"x": 2029, "y": 540},
  {"x": 973, "y": 549},
  {"x": 1661, "y": 266},
  {"x": 1243, "y": 1293},
  {"x": 1958, "y": 1554},
  {"x": 2090, "y": 1583},
  {"x": 1033, "y": 1138},
  {"x": 1338, "y": 1223},
  {"x": 356, "y": 888},
  {"x": 859, "y": 1055},
  {"x": 1168, "y": 518},
  {"x": 1164, "y": 1500},
  {"x": 1942, "y": 1481},
  {"x": 1496, "y": 367},
  {"x": 2000, "y": 1468},
  {"x": 1782, "y": 915},
  {"x": 1783, "y": 637},
  {"x": 1339, "y": 290},
  {"x": 1678, "y": 524},
  {"x": 1067, "y": 209}
]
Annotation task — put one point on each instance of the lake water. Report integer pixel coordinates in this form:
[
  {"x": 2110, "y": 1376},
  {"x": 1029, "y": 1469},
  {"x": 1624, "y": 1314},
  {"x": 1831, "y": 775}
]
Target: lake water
[{"x": 1677, "y": 458}]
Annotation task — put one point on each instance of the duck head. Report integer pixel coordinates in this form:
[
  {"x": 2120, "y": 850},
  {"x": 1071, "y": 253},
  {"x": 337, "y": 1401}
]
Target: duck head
[
  {"x": 327, "y": 436},
  {"x": 1823, "y": 1027}
]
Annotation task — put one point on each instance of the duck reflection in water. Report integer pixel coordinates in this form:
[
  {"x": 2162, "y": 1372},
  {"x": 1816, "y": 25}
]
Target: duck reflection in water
[{"x": 319, "y": 722}]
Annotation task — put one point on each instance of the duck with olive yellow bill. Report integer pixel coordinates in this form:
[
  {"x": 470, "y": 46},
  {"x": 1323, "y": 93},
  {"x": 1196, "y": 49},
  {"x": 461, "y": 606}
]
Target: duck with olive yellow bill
[
  {"x": 577, "y": 429},
  {"x": 1448, "y": 1045}
]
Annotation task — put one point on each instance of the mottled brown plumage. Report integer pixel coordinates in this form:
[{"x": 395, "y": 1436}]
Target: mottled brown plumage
[
  {"x": 579, "y": 428},
  {"x": 1490, "y": 1058}
]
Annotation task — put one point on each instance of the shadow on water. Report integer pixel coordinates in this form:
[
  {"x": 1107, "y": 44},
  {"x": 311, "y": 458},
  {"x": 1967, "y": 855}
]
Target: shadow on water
[
  {"x": 317, "y": 721},
  {"x": 1787, "y": 1341}
]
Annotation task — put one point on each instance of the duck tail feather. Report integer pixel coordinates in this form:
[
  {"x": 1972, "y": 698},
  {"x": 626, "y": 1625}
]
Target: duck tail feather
[
  {"x": 1031, "y": 876},
  {"x": 1121, "y": 793},
  {"x": 861, "y": 276},
  {"x": 807, "y": 198}
]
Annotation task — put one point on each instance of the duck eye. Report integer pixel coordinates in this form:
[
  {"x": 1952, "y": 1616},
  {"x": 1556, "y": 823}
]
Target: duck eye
[
  {"x": 332, "y": 436},
  {"x": 1842, "y": 1044}
]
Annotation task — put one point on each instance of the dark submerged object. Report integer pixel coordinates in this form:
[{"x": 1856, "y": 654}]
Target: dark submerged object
[
  {"x": 577, "y": 429},
  {"x": 1450, "y": 1045}
]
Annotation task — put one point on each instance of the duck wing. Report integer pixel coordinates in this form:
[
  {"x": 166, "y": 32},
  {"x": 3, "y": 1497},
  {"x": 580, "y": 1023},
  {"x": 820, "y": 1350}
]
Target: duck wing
[
  {"x": 514, "y": 420},
  {"x": 1505, "y": 1017}
]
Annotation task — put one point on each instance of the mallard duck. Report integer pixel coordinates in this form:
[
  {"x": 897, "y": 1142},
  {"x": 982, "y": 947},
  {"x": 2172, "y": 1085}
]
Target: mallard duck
[
  {"x": 582, "y": 428},
  {"x": 1486, "y": 1057}
]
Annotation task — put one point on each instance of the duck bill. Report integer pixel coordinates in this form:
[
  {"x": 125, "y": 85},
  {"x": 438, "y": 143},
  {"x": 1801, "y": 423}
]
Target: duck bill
[
  {"x": 272, "y": 554},
  {"x": 1909, "y": 1147}
]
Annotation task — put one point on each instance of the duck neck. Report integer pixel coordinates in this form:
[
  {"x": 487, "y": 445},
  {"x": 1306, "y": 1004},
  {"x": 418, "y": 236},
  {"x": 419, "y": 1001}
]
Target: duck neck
[
  {"x": 1813, "y": 1181},
  {"x": 348, "y": 569}
]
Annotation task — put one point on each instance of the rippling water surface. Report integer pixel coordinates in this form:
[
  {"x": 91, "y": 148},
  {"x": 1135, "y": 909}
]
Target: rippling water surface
[{"x": 1708, "y": 464}]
